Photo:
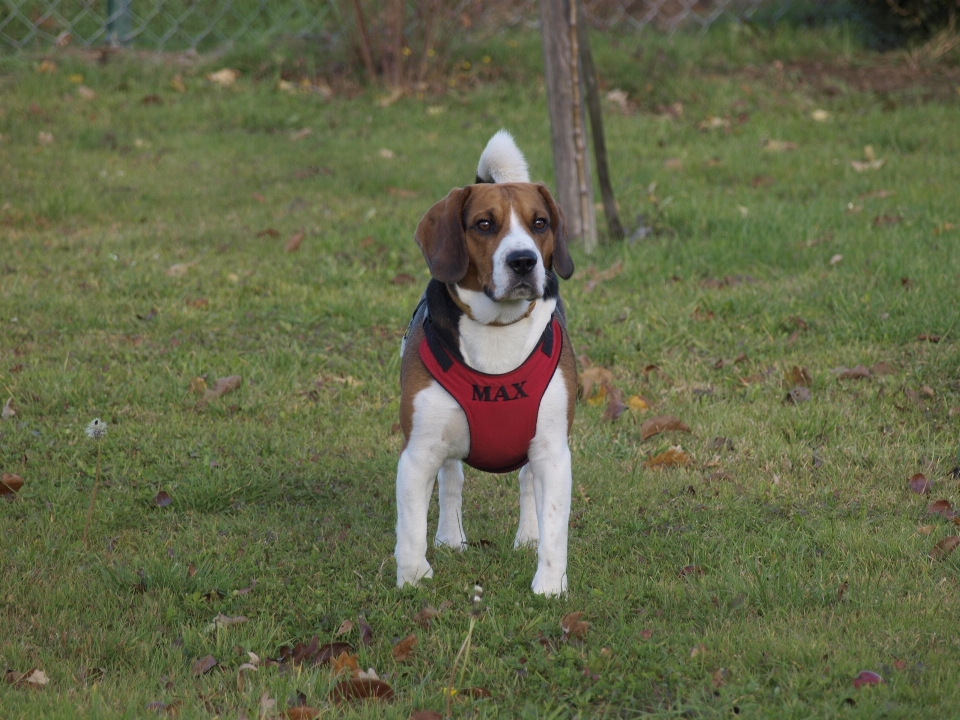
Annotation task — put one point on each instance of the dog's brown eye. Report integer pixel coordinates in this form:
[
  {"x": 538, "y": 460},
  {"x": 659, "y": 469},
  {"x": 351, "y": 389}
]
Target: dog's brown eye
[
  {"x": 485, "y": 225},
  {"x": 539, "y": 224}
]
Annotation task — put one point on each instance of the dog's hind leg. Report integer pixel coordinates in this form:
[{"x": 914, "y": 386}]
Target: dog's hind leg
[
  {"x": 450, "y": 528},
  {"x": 528, "y": 533}
]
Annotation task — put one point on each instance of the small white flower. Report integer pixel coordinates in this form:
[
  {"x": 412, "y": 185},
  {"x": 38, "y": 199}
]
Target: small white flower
[{"x": 97, "y": 429}]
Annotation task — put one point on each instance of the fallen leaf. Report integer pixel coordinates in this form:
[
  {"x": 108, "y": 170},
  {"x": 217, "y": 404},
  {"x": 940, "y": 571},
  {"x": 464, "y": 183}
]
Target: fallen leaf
[
  {"x": 345, "y": 627},
  {"x": 591, "y": 377},
  {"x": 345, "y": 662},
  {"x": 720, "y": 677},
  {"x": 798, "y": 395},
  {"x": 301, "y": 134},
  {"x": 863, "y": 166},
  {"x": 222, "y": 620},
  {"x": 180, "y": 269},
  {"x": 267, "y": 705},
  {"x": 942, "y": 508},
  {"x": 858, "y": 373},
  {"x": 8, "y": 411},
  {"x": 945, "y": 547},
  {"x": 798, "y": 377},
  {"x": 698, "y": 650},
  {"x": 47, "y": 67},
  {"x": 171, "y": 709},
  {"x": 820, "y": 115},
  {"x": 712, "y": 122},
  {"x": 386, "y": 154},
  {"x": 573, "y": 626},
  {"x": 401, "y": 193},
  {"x": 926, "y": 529},
  {"x": 646, "y": 634},
  {"x": 390, "y": 99},
  {"x": 162, "y": 499},
  {"x": 920, "y": 485},
  {"x": 198, "y": 385},
  {"x": 867, "y": 677},
  {"x": 152, "y": 100},
  {"x": 669, "y": 458},
  {"x": 177, "y": 84},
  {"x": 10, "y": 484},
  {"x": 222, "y": 386},
  {"x": 779, "y": 146},
  {"x": 426, "y": 715},
  {"x": 836, "y": 259},
  {"x": 637, "y": 403},
  {"x": 204, "y": 665},
  {"x": 425, "y": 616},
  {"x": 366, "y": 632},
  {"x": 883, "y": 368},
  {"x": 304, "y": 651},
  {"x": 691, "y": 571},
  {"x": 361, "y": 689},
  {"x": 662, "y": 423},
  {"x": 477, "y": 692},
  {"x": 403, "y": 279},
  {"x": 302, "y": 712},
  {"x": 86, "y": 93},
  {"x": 224, "y": 77},
  {"x": 615, "y": 407},
  {"x": 327, "y": 652},
  {"x": 842, "y": 589},
  {"x": 881, "y": 220},
  {"x": 45, "y": 138},
  {"x": 293, "y": 244},
  {"x": 928, "y": 337},
  {"x": 403, "y": 649},
  {"x": 673, "y": 164},
  {"x": 271, "y": 232},
  {"x": 927, "y": 391}
]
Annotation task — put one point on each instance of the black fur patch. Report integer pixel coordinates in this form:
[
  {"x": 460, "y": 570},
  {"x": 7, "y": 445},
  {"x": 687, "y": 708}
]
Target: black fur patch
[{"x": 445, "y": 317}]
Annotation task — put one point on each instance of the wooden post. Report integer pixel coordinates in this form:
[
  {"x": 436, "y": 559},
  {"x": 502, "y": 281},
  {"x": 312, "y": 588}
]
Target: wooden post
[
  {"x": 557, "y": 55},
  {"x": 592, "y": 91},
  {"x": 589, "y": 235}
]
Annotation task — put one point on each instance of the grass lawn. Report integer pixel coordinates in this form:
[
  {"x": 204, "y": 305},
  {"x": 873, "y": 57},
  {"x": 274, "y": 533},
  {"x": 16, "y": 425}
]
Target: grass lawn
[{"x": 143, "y": 256}]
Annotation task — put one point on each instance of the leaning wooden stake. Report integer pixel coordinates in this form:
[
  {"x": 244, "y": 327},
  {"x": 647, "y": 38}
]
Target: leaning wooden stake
[
  {"x": 589, "y": 234},
  {"x": 614, "y": 228}
]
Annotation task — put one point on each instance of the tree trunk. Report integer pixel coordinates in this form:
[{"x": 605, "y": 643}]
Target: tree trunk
[{"x": 555, "y": 33}]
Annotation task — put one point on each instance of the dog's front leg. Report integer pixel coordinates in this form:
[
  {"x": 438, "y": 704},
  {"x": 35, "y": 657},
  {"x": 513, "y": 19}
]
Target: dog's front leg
[
  {"x": 450, "y": 526},
  {"x": 528, "y": 533},
  {"x": 415, "y": 477},
  {"x": 552, "y": 483}
]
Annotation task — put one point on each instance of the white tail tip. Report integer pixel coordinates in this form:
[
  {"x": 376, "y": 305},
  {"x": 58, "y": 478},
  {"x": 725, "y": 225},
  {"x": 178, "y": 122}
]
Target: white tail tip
[{"x": 502, "y": 161}]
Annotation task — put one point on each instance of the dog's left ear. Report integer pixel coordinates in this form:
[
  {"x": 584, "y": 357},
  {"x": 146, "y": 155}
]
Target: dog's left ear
[
  {"x": 442, "y": 240},
  {"x": 562, "y": 262}
]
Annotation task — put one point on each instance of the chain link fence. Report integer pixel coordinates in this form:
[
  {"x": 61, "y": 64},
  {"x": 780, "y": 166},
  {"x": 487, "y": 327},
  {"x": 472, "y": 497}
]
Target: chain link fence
[{"x": 176, "y": 25}]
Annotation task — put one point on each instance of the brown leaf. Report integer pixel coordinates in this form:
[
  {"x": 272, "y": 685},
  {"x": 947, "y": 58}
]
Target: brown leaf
[
  {"x": 162, "y": 499},
  {"x": 303, "y": 652},
  {"x": 403, "y": 279},
  {"x": 927, "y": 391},
  {"x": 424, "y": 617},
  {"x": 926, "y": 529},
  {"x": 345, "y": 627},
  {"x": 345, "y": 662},
  {"x": 10, "y": 483},
  {"x": 779, "y": 146},
  {"x": 920, "y": 485},
  {"x": 204, "y": 665},
  {"x": 326, "y": 653},
  {"x": 8, "y": 411},
  {"x": 798, "y": 395},
  {"x": 646, "y": 634},
  {"x": 857, "y": 373},
  {"x": 573, "y": 626},
  {"x": 366, "y": 632},
  {"x": 842, "y": 589},
  {"x": 271, "y": 232},
  {"x": 945, "y": 547},
  {"x": 662, "y": 423},
  {"x": 169, "y": 709},
  {"x": 198, "y": 385},
  {"x": 615, "y": 406},
  {"x": 302, "y": 712},
  {"x": 293, "y": 244},
  {"x": 867, "y": 677},
  {"x": 691, "y": 571},
  {"x": 401, "y": 193},
  {"x": 793, "y": 337},
  {"x": 592, "y": 377},
  {"x": 881, "y": 220},
  {"x": 798, "y": 377},
  {"x": 928, "y": 337},
  {"x": 669, "y": 458},
  {"x": 478, "y": 692},
  {"x": 942, "y": 508},
  {"x": 221, "y": 387},
  {"x": 360, "y": 689},
  {"x": 402, "y": 650},
  {"x": 426, "y": 715},
  {"x": 883, "y": 368},
  {"x": 720, "y": 677}
]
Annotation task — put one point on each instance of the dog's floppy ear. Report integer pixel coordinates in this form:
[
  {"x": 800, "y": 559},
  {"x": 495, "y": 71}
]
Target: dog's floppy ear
[
  {"x": 562, "y": 262},
  {"x": 441, "y": 238}
]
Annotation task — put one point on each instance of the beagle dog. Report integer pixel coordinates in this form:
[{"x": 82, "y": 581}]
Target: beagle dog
[{"x": 488, "y": 375}]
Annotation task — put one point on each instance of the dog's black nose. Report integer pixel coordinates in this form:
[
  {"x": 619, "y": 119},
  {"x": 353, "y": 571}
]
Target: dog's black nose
[{"x": 522, "y": 261}]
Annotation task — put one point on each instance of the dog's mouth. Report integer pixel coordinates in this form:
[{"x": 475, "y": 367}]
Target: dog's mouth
[{"x": 521, "y": 290}]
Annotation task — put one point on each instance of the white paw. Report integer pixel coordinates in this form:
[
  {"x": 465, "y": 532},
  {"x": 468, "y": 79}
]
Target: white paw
[
  {"x": 414, "y": 574},
  {"x": 549, "y": 586},
  {"x": 454, "y": 542}
]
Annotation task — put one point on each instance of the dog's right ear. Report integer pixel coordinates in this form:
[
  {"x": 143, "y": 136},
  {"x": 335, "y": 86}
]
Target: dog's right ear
[{"x": 442, "y": 240}]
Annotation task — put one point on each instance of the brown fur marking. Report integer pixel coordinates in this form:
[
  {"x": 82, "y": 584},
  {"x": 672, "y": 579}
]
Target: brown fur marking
[{"x": 414, "y": 377}]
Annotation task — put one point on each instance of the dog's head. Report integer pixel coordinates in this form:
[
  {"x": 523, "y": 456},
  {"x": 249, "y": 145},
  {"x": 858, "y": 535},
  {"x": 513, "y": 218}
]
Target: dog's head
[{"x": 499, "y": 239}]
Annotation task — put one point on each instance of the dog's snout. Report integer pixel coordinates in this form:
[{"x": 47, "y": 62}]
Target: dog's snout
[{"x": 522, "y": 261}]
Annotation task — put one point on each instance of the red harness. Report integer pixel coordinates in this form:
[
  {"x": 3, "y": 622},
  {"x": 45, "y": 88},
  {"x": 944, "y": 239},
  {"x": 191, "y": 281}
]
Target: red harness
[{"x": 501, "y": 410}]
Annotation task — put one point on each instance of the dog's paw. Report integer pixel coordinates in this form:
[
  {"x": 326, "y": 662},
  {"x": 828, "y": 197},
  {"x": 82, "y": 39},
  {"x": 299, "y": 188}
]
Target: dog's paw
[
  {"x": 549, "y": 587},
  {"x": 454, "y": 542},
  {"x": 413, "y": 575}
]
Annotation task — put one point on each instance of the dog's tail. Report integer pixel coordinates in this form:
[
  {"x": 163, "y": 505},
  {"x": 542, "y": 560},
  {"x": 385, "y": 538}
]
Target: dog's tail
[{"x": 502, "y": 161}]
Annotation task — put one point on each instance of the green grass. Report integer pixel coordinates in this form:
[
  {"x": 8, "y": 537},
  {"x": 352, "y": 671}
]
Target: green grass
[{"x": 290, "y": 483}]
